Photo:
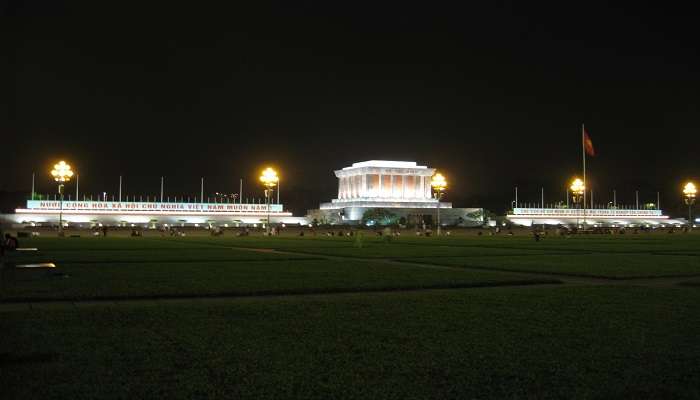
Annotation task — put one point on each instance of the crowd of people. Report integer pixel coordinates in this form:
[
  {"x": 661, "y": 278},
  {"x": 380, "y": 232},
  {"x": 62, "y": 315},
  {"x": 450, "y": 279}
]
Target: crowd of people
[{"x": 538, "y": 232}]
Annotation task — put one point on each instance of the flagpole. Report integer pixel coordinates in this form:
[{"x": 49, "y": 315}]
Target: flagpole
[{"x": 583, "y": 152}]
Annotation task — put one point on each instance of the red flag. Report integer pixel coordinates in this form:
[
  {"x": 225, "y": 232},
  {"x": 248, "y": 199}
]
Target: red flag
[{"x": 588, "y": 144}]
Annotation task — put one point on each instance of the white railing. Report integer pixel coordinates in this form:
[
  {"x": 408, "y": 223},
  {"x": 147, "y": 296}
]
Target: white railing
[
  {"x": 125, "y": 206},
  {"x": 577, "y": 212}
]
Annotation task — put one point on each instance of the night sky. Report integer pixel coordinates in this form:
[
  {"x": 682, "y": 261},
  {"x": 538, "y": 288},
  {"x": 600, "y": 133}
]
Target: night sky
[{"x": 492, "y": 94}]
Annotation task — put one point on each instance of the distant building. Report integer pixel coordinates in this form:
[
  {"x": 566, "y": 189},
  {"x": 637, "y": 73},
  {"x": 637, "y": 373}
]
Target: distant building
[
  {"x": 401, "y": 187},
  {"x": 147, "y": 214},
  {"x": 608, "y": 217}
]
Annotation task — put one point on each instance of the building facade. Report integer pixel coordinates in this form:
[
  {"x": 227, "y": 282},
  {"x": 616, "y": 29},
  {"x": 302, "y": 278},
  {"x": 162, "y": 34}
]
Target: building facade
[
  {"x": 389, "y": 181},
  {"x": 608, "y": 217},
  {"x": 401, "y": 187},
  {"x": 148, "y": 214}
]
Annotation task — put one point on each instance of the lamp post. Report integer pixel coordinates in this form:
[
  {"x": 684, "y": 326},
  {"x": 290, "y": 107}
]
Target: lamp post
[
  {"x": 689, "y": 192},
  {"x": 269, "y": 179},
  {"x": 577, "y": 190},
  {"x": 439, "y": 184},
  {"x": 61, "y": 173}
]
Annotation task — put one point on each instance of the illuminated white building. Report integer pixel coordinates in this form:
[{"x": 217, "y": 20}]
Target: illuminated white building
[
  {"x": 401, "y": 186},
  {"x": 592, "y": 217},
  {"x": 148, "y": 214},
  {"x": 390, "y": 184}
]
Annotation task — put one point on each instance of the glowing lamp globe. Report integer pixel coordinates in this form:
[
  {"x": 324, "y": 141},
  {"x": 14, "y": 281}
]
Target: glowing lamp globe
[
  {"x": 62, "y": 172},
  {"x": 577, "y": 187},
  {"x": 438, "y": 183},
  {"x": 269, "y": 178}
]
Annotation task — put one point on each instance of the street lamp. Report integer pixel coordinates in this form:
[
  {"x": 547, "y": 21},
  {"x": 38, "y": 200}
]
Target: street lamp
[
  {"x": 439, "y": 184},
  {"x": 61, "y": 173},
  {"x": 269, "y": 179},
  {"x": 689, "y": 192},
  {"x": 577, "y": 190}
]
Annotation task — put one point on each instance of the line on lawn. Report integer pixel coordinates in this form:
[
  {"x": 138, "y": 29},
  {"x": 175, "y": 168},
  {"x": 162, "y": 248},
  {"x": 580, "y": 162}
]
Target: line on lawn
[
  {"x": 394, "y": 260},
  {"x": 228, "y": 245},
  {"x": 618, "y": 278},
  {"x": 235, "y": 260},
  {"x": 399, "y": 261},
  {"x": 370, "y": 244},
  {"x": 379, "y": 257},
  {"x": 273, "y": 293},
  {"x": 554, "y": 251}
]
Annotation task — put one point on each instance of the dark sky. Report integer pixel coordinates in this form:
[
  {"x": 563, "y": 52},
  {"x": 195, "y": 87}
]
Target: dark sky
[{"x": 491, "y": 93}]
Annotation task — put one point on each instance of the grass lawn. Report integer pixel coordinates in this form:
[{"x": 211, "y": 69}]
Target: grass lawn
[
  {"x": 109, "y": 243},
  {"x": 207, "y": 278},
  {"x": 432, "y": 246},
  {"x": 400, "y": 250},
  {"x": 691, "y": 282},
  {"x": 192, "y": 250},
  {"x": 629, "y": 243},
  {"x": 156, "y": 255},
  {"x": 377, "y": 247},
  {"x": 503, "y": 343},
  {"x": 545, "y": 341},
  {"x": 619, "y": 266}
]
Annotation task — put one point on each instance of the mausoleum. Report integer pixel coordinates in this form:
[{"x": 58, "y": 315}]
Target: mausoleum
[{"x": 403, "y": 187}]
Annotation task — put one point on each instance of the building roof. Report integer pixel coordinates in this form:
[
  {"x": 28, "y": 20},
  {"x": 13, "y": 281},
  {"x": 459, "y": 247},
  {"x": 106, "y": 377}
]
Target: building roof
[{"x": 386, "y": 164}]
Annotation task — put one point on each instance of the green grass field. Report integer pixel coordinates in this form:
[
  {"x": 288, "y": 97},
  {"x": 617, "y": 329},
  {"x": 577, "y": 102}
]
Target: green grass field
[
  {"x": 319, "y": 318},
  {"x": 238, "y": 278},
  {"x": 616, "y": 265}
]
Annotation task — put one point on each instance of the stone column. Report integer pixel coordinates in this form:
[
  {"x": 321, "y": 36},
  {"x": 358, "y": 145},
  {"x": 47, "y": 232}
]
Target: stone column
[
  {"x": 363, "y": 192},
  {"x": 381, "y": 188}
]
